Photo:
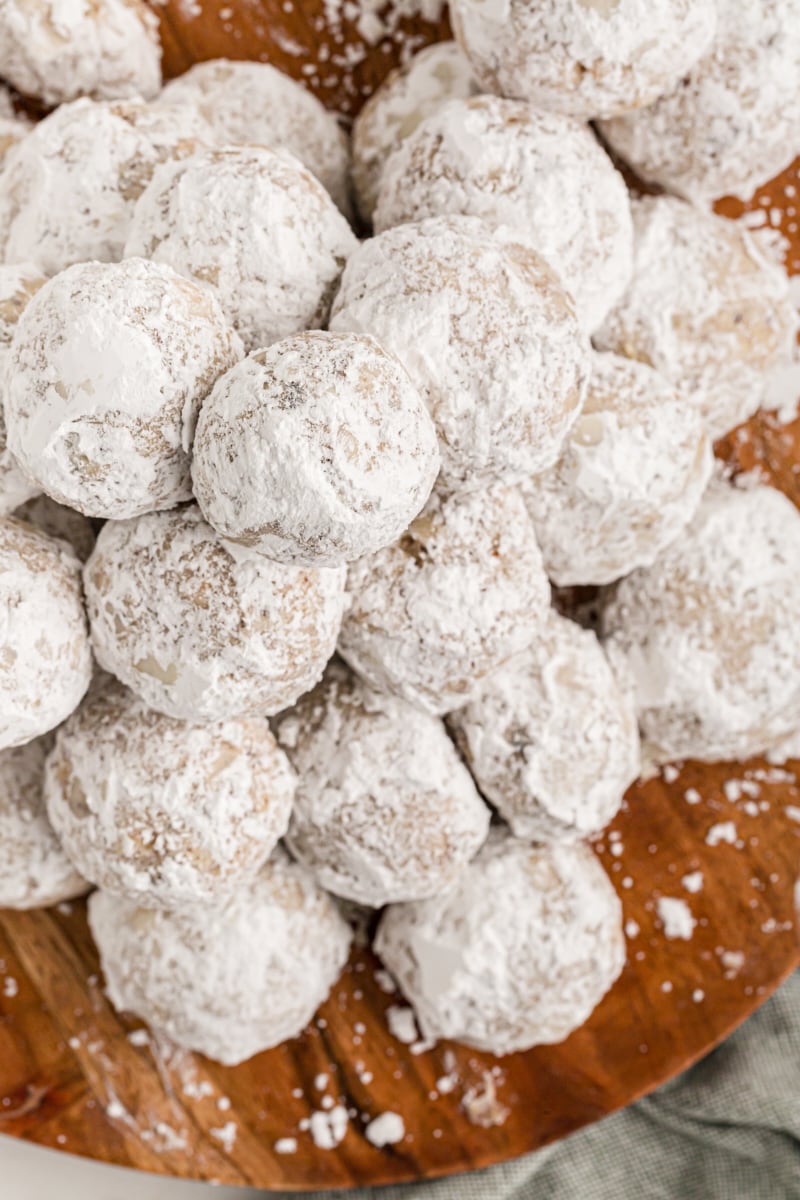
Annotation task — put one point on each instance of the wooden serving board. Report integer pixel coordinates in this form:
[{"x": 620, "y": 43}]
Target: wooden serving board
[{"x": 75, "y": 1076}]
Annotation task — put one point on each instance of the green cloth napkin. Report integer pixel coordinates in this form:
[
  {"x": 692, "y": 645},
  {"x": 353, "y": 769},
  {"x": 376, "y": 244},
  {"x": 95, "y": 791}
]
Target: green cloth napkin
[{"x": 728, "y": 1129}]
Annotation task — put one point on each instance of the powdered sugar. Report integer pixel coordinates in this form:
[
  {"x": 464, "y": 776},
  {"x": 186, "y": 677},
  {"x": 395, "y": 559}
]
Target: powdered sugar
[
  {"x": 68, "y": 189},
  {"x": 734, "y": 121},
  {"x": 676, "y": 918},
  {"x": 108, "y": 367},
  {"x": 227, "y": 980},
  {"x": 460, "y": 593},
  {"x": 250, "y": 103},
  {"x": 542, "y": 175},
  {"x": 404, "y": 99},
  {"x": 56, "y": 50},
  {"x": 45, "y": 660},
  {"x": 34, "y": 870},
  {"x": 328, "y": 1129},
  {"x": 589, "y": 58},
  {"x": 201, "y": 634},
  {"x": 551, "y": 736},
  {"x": 486, "y": 333},
  {"x": 629, "y": 479},
  {"x": 317, "y": 450},
  {"x": 385, "y": 1130},
  {"x": 161, "y": 811},
  {"x": 712, "y": 630},
  {"x": 256, "y": 227},
  {"x": 704, "y": 308},
  {"x": 516, "y": 954},
  {"x": 384, "y": 810},
  {"x": 722, "y": 833}
]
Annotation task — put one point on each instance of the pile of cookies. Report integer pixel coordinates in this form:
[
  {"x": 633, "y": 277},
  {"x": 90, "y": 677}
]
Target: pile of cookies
[{"x": 282, "y": 508}]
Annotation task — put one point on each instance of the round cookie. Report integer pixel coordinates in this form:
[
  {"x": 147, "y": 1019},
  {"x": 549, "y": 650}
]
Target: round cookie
[
  {"x": 704, "y": 308},
  {"x": 316, "y": 451},
  {"x": 516, "y": 954},
  {"x": 406, "y": 96},
  {"x": 256, "y": 227},
  {"x": 164, "y": 812},
  {"x": 199, "y": 632},
  {"x": 447, "y": 299},
  {"x": 45, "y": 660},
  {"x": 34, "y": 870},
  {"x": 734, "y": 121},
  {"x": 542, "y": 175},
  {"x": 551, "y": 736},
  {"x": 588, "y": 58},
  {"x": 109, "y": 365},
  {"x": 54, "y": 52},
  {"x": 231, "y": 979},
  {"x": 58, "y": 521},
  {"x": 462, "y": 591},
  {"x": 385, "y": 810},
  {"x": 711, "y": 631},
  {"x": 18, "y": 283},
  {"x": 251, "y": 103},
  {"x": 68, "y": 189},
  {"x": 630, "y": 477}
]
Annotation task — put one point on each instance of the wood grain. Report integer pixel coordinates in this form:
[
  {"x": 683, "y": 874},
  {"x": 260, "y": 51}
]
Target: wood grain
[{"x": 76, "y": 1076}]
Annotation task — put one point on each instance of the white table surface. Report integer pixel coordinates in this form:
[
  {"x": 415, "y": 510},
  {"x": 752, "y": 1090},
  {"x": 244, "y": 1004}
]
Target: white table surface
[{"x": 30, "y": 1173}]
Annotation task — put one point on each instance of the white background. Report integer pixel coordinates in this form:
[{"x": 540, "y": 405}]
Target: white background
[{"x": 29, "y": 1173}]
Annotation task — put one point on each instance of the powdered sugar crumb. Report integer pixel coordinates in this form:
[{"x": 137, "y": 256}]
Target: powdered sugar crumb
[
  {"x": 402, "y": 1024},
  {"x": 693, "y": 882},
  {"x": 723, "y": 831},
  {"x": 328, "y": 1129},
  {"x": 226, "y": 1134},
  {"x": 676, "y": 917},
  {"x": 386, "y": 1130}
]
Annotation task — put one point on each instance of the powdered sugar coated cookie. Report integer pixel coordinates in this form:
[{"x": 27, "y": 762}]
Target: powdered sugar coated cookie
[
  {"x": 588, "y": 58},
  {"x": 231, "y": 979},
  {"x": 449, "y": 299},
  {"x": 316, "y": 451},
  {"x": 734, "y": 121},
  {"x": 161, "y": 811},
  {"x": 45, "y": 660},
  {"x": 462, "y": 591},
  {"x": 201, "y": 633},
  {"x": 253, "y": 103},
  {"x": 541, "y": 174},
  {"x": 404, "y": 99},
  {"x": 18, "y": 283},
  {"x": 55, "y": 51},
  {"x": 109, "y": 365},
  {"x": 629, "y": 479},
  {"x": 385, "y": 810},
  {"x": 704, "y": 308},
  {"x": 68, "y": 189},
  {"x": 257, "y": 227},
  {"x": 551, "y": 736},
  {"x": 516, "y": 954},
  {"x": 711, "y": 631},
  {"x": 34, "y": 870}
]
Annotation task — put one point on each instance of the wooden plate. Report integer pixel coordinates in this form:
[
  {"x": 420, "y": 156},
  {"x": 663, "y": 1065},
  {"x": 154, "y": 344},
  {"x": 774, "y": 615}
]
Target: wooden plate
[{"x": 75, "y": 1076}]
